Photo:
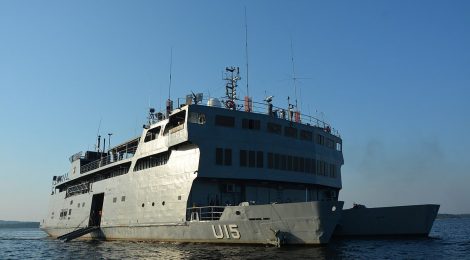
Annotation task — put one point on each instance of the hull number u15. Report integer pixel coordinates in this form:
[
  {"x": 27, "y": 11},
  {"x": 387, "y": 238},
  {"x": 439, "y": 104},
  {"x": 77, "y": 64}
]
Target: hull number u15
[{"x": 226, "y": 231}]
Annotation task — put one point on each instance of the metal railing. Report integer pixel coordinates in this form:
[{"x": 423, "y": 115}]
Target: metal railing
[
  {"x": 205, "y": 213},
  {"x": 277, "y": 112},
  {"x": 111, "y": 158},
  {"x": 78, "y": 189}
]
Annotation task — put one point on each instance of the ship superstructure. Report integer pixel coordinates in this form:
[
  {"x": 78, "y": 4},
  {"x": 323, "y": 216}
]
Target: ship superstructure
[{"x": 219, "y": 172}]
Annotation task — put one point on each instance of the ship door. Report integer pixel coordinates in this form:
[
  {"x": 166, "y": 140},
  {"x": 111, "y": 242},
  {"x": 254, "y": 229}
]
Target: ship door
[{"x": 96, "y": 210}]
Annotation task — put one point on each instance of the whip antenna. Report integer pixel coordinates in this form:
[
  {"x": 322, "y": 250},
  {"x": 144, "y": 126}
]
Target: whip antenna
[{"x": 246, "y": 53}]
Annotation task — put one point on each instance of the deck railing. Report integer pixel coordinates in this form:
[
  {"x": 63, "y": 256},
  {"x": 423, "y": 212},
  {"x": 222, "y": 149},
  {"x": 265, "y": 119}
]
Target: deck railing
[
  {"x": 111, "y": 158},
  {"x": 205, "y": 213},
  {"x": 277, "y": 112}
]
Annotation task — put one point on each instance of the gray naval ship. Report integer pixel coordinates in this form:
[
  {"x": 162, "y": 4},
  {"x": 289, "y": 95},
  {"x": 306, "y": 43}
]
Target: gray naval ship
[{"x": 216, "y": 172}]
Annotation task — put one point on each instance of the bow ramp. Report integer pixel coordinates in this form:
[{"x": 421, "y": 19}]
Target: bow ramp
[{"x": 77, "y": 233}]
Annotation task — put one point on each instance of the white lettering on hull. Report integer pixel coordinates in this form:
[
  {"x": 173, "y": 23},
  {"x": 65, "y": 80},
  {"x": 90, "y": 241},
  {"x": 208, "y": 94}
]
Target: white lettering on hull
[{"x": 231, "y": 231}]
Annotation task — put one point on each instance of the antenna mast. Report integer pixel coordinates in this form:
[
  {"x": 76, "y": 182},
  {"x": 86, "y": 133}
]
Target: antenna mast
[
  {"x": 171, "y": 65},
  {"x": 232, "y": 75},
  {"x": 169, "y": 103},
  {"x": 293, "y": 71},
  {"x": 246, "y": 53}
]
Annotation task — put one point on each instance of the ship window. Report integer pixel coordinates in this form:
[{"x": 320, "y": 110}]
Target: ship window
[
  {"x": 83, "y": 204},
  {"x": 274, "y": 128},
  {"x": 123, "y": 198},
  {"x": 70, "y": 211},
  {"x": 290, "y": 131},
  {"x": 153, "y": 204},
  {"x": 306, "y": 135},
  {"x": 114, "y": 200},
  {"x": 143, "y": 204},
  {"x": 276, "y": 161},
  {"x": 197, "y": 118},
  {"x": 320, "y": 139},
  {"x": 332, "y": 171},
  {"x": 163, "y": 203},
  {"x": 227, "y": 121},
  {"x": 330, "y": 143},
  {"x": 307, "y": 165},
  {"x": 219, "y": 156},
  {"x": 251, "y": 158},
  {"x": 259, "y": 159},
  {"x": 228, "y": 157},
  {"x": 296, "y": 163},
  {"x": 270, "y": 161},
  {"x": 250, "y": 124},
  {"x": 78, "y": 205},
  {"x": 289, "y": 163},
  {"x": 338, "y": 147},
  {"x": 150, "y": 161},
  {"x": 313, "y": 166},
  {"x": 71, "y": 202},
  {"x": 179, "y": 197},
  {"x": 301, "y": 164},
  {"x": 283, "y": 162},
  {"x": 243, "y": 154},
  {"x": 152, "y": 134}
]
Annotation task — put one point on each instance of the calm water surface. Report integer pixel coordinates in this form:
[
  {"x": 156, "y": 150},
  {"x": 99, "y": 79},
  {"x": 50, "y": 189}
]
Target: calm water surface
[{"x": 449, "y": 239}]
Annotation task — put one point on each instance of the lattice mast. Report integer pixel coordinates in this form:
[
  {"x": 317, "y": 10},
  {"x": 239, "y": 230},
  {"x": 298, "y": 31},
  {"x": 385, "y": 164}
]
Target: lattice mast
[{"x": 232, "y": 75}]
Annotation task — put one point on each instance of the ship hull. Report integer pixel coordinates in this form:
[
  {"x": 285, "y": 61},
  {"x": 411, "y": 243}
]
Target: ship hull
[
  {"x": 415, "y": 220},
  {"x": 276, "y": 224}
]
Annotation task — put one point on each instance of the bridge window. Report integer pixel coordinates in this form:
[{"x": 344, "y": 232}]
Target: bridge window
[
  {"x": 270, "y": 161},
  {"x": 338, "y": 147},
  {"x": 251, "y": 124},
  {"x": 152, "y": 134},
  {"x": 243, "y": 155},
  {"x": 223, "y": 156},
  {"x": 276, "y": 161},
  {"x": 251, "y": 158},
  {"x": 330, "y": 143},
  {"x": 227, "y": 121},
  {"x": 259, "y": 159},
  {"x": 306, "y": 135},
  {"x": 320, "y": 139},
  {"x": 228, "y": 157},
  {"x": 290, "y": 131},
  {"x": 274, "y": 128},
  {"x": 332, "y": 171},
  {"x": 219, "y": 156}
]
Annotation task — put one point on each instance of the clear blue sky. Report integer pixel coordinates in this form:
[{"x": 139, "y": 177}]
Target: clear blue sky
[{"x": 392, "y": 76}]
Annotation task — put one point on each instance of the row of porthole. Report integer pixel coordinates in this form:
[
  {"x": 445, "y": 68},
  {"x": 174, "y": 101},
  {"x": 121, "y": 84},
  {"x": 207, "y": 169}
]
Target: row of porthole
[
  {"x": 163, "y": 202},
  {"x": 153, "y": 204},
  {"x": 78, "y": 204}
]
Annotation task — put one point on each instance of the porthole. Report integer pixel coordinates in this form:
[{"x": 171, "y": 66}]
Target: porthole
[
  {"x": 237, "y": 213},
  {"x": 71, "y": 202},
  {"x": 153, "y": 204},
  {"x": 143, "y": 204},
  {"x": 163, "y": 203},
  {"x": 83, "y": 204}
]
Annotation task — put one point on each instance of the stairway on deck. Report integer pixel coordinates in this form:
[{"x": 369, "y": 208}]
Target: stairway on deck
[{"x": 77, "y": 233}]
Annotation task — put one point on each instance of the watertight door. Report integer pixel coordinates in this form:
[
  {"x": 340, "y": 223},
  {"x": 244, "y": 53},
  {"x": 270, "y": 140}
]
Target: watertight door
[{"x": 96, "y": 210}]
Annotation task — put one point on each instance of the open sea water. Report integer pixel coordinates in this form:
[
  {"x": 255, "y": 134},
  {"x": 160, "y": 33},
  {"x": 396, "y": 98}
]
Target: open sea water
[{"x": 449, "y": 239}]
